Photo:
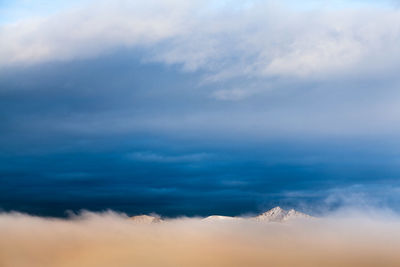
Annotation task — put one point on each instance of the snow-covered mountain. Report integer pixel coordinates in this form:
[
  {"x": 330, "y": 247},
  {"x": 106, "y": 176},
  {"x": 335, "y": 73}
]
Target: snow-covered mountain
[
  {"x": 276, "y": 214},
  {"x": 220, "y": 218}
]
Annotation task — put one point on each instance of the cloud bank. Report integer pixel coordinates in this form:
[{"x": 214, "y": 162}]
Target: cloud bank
[
  {"x": 297, "y": 69},
  {"x": 110, "y": 239},
  {"x": 253, "y": 39}
]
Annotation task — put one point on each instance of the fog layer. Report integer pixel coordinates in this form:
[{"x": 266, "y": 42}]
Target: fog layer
[{"x": 111, "y": 239}]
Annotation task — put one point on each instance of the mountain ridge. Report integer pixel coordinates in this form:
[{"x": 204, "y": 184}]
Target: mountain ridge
[{"x": 276, "y": 214}]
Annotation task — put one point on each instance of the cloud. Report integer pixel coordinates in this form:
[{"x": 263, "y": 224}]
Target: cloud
[
  {"x": 224, "y": 105},
  {"x": 231, "y": 94},
  {"x": 155, "y": 157},
  {"x": 257, "y": 39},
  {"x": 90, "y": 30},
  {"x": 108, "y": 239}
]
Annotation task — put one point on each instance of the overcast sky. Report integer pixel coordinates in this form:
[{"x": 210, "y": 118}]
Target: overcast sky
[{"x": 198, "y": 107}]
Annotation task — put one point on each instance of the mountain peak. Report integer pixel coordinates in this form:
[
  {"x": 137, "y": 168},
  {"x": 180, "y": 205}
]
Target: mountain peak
[
  {"x": 219, "y": 218},
  {"x": 278, "y": 214},
  {"x": 275, "y": 210}
]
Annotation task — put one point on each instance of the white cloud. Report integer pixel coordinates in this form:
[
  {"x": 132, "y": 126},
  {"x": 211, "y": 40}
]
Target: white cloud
[
  {"x": 258, "y": 40},
  {"x": 90, "y": 30}
]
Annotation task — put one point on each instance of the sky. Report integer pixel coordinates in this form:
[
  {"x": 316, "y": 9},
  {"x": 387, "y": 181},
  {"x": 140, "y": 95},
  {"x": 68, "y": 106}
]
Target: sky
[{"x": 199, "y": 107}]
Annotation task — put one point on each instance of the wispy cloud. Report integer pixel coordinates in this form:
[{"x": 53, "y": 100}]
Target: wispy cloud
[
  {"x": 258, "y": 40},
  {"x": 156, "y": 157}
]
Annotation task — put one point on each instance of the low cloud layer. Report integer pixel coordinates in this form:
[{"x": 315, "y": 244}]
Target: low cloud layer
[{"x": 110, "y": 239}]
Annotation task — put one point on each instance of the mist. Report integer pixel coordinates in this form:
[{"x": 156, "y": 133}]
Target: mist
[{"x": 347, "y": 238}]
